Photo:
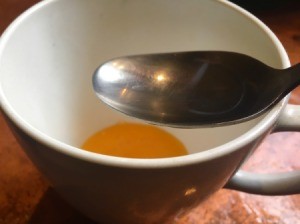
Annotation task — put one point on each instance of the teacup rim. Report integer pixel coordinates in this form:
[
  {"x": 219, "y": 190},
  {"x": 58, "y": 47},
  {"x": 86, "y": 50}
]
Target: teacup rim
[{"x": 216, "y": 152}]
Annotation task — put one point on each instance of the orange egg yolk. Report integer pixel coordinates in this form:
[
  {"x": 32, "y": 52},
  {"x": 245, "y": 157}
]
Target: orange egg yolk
[{"x": 133, "y": 140}]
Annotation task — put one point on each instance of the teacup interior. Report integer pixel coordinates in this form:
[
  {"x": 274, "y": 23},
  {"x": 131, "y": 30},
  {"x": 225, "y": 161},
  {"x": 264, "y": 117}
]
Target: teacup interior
[{"x": 49, "y": 57}]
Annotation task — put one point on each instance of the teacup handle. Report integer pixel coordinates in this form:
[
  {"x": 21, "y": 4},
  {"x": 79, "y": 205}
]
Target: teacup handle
[{"x": 277, "y": 183}]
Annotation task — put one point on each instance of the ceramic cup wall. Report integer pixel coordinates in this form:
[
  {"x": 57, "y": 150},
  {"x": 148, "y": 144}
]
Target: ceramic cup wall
[{"x": 47, "y": 58}]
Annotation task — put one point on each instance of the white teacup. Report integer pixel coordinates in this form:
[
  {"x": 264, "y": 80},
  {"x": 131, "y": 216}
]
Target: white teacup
[{"x": 47, "y": 58}]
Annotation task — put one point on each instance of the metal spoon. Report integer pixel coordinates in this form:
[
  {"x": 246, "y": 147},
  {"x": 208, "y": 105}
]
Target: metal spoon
[{"x": 193, "y": 89}]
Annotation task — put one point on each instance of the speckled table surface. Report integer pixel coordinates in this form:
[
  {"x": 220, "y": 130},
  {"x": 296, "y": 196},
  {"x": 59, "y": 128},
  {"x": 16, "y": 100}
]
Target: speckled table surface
[{"x": 25, "y": 196}]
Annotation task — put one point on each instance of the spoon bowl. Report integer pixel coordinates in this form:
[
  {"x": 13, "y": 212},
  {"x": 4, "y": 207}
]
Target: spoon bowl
[{"x": 192, "y": 89}]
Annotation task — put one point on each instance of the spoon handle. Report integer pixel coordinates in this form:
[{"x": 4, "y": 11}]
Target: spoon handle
[{"x": 294, "y": 75}]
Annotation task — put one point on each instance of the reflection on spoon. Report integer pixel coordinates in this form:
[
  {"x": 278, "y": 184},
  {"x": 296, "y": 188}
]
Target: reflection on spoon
[{"x": 192, "y": 89}]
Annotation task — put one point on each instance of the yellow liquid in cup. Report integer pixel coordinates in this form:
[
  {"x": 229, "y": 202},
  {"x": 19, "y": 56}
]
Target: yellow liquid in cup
[{"x": 135, "y": 141}]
